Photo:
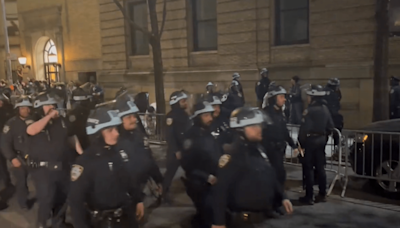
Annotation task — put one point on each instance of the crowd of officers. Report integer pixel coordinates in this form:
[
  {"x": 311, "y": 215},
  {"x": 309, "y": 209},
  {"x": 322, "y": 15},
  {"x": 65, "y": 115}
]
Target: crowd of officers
[{"x": 96, "y": 157}]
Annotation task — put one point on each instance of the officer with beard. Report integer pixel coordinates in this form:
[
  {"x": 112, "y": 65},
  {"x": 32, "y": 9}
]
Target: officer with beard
[
  {"x": 81, "y": 106},
  {"x": 15, "y": 148},
  {"x": 313, "y": 136},
  {"x": 178, "y": 122},
  {"x": 220, "y": 124},
  {"x": 236, "y": 86},
  {"x": 141, "y": 158},
  {"x": 276, "y": 137},
  {"x": 6, "y": 112},
  {"x": 200, "y": 160},
  {"x": 48, "y": 158},
  {"x": 262, "y": 86},
  {"x": 101, "y": 183},
  {"x": 246, "y": 183}
]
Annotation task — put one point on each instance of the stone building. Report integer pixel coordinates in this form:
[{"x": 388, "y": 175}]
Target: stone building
[{"x": 208, "y": 40}]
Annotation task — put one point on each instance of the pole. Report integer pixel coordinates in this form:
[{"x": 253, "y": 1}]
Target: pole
[{"x": 6, "y": 43}]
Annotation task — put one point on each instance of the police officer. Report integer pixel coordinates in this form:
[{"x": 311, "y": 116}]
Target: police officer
[
  {"x": 48, "y": 157},
  {"x": 141, "y": 157},
  {"x": 246, "y": 183},
  {"x": 210, "y": 88},
  {"x": 236, "y": 86},
  {"x": 6, "y": 112},
  {"x": 100, "y": 181},
  {"x": 14, "y": 147},
  {"x": 81, "y": 106},
  {"x": 178, "y": 122},
  {"x": 200, "y": 159},
  {"x": 333, "y": 97},
  {"x": 262, "y": 86},
  {"x": 313, "y": 136},
  {"x": 220, "y": 124},
  {"x": 98, "y": 94},
  {"x": 394, "y": 98},
  {"x": 296, "y": 103},
  {"x": 277, "y": 135}
]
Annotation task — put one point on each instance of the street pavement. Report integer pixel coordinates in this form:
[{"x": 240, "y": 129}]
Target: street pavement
[{"x": 358, "y": 209}]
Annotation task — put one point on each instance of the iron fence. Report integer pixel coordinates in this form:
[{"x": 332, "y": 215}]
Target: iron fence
[{"x": 154, "y": 126}]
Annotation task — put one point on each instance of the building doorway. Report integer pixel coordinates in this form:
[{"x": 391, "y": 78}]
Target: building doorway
[{"x": 50, "y": 60}]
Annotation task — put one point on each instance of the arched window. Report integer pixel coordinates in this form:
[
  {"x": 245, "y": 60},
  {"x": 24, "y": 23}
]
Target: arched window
[{"x": 50, "y": 51}]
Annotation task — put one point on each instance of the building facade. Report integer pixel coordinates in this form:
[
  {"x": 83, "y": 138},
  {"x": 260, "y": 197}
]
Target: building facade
[{"x": 209, "y": 40}]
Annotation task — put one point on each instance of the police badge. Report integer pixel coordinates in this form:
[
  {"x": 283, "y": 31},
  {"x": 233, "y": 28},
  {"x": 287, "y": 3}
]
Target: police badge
[{"x": 6, "y": 128}]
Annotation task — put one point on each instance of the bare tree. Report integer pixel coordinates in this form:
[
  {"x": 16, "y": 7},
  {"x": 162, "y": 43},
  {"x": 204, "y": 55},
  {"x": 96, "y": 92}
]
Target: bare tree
[
  {"x": 154, "y": 37},
  {"x": 381, "y": 82}
]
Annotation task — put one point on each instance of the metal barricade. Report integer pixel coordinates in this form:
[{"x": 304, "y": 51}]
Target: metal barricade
[
  {"x": 154, "y": 125},
  {"x": 333, "y": 155},
  {"x": 373, "y": 155}
]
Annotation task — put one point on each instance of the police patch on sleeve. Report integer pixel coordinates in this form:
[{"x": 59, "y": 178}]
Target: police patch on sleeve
[
  {"x": 223, "y": 160},
  {"x": 169, "y": 121},
  {"x": 76, "y": 172},
  {"x": 187, "y": 144},
  {"x": 29, "y": 122},
  {"x": 305, "y": 112},
  {"x": 224, "y": 98},
  {"x": 6, "y": 128},
  {"x": 72, "y": 118},
  {"x": 258, "y": 83},
  {"x": 392, "y": 91}
]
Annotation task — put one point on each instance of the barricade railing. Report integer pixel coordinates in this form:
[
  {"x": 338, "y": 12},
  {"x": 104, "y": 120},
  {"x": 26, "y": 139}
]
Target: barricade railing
[
  {"x": 333, "y": 153},
  {"x": 154, "y": 125},
  {"x": 372, "y": 155}
]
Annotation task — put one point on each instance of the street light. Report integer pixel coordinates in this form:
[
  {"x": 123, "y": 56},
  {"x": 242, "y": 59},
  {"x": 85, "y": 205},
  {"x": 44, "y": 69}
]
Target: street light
[{"x": 22, "y": 61}]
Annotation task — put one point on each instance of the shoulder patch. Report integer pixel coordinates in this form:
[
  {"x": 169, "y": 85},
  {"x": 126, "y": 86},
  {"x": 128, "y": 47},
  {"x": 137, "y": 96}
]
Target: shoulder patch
[
  {"x": 305, "y": 112},
  {"x": 72, "y": 118},
  {"x": 223, "y": 160},
  {"x": 258, "y": 83},
  {"x": 6, "y": 128},
  {"x": 29, "y": 122},
  {"x": 392, "y": 91},
  {"x": 124, "y": 156},
  {"x": 187, "y": 144},
  {"x": 169, "y": 121},
  {"x": 76, "y": 172},
  {"x": 224, "y": 98}
]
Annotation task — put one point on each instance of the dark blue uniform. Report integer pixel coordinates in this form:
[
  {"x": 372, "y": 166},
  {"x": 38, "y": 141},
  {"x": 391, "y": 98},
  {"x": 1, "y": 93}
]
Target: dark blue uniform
[
  {"x": 247, "y": 185},
  {"x": 103, "y": 187},
  {"x": 14, "y": 145},
  {"x": 48, "y": 161},
  {"x": 313, "y": 136}
]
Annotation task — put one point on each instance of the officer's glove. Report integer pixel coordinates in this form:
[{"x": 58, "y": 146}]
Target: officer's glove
[
  {"x": 178, "y": 155},
  {"x": 288, "y": 206},
  {"x": 212, "y": 179},
  {"x": 139, "y": 211}
]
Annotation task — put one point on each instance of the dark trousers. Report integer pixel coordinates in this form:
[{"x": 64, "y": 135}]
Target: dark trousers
[
  {"x": 199, "y": 193},
  {"x": 51, "y": 192},
  {"x": 21, "y": 176},
  {"x": 315, "y": 157},
  {"x": 172, "y": 166},
  {"x": 296, "y": 113},
  {"x": 275, "y": 157},
  {"x": 4, "y": 173}
]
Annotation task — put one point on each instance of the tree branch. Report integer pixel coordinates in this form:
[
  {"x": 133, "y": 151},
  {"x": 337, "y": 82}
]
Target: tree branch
[
  {"x": 163, "y": 18},
  {"x": 134, "y": 25}
]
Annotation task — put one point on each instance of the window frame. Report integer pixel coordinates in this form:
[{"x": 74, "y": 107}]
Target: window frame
[
  {"x": 132, "y": 32},
  {"x": 195, "y": 28},
  {"x": 278, "y": 25}
]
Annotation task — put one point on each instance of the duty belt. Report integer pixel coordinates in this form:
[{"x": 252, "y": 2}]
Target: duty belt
[
  {"x": 315, "y": 134},
  {"x": 249, "y": 217},
  {"x": 108, "y": 215},
  {"x": 45, "y": 164}
]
